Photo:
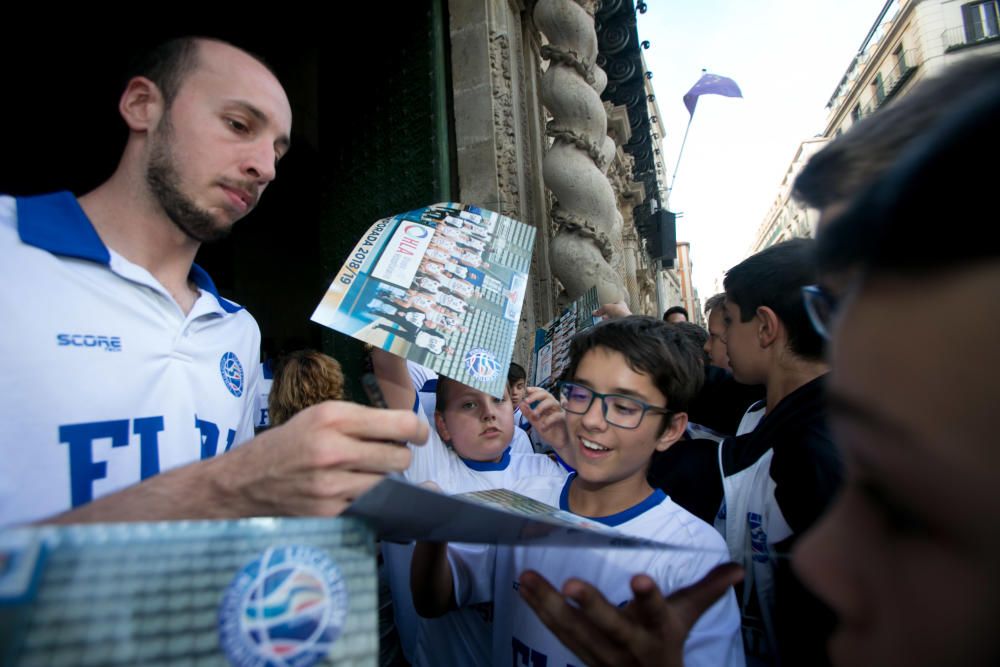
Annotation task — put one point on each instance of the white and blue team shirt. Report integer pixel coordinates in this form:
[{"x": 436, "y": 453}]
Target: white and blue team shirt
[
  {"x": 464, "y": 636},
  {"x": 752, "y": 417},
  {"x": 487, "y": 572},
  {"x": 109, "y": 381},
  {"x": 425, "y": 384}
]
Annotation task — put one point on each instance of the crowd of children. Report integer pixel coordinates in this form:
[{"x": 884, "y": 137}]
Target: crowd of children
[{"x": 622, "y": 451}]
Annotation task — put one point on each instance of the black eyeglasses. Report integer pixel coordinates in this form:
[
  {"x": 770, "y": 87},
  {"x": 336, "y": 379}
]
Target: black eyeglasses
[
  {"x": 821, "y": 305},
  {"x": 618, "y": 410}
]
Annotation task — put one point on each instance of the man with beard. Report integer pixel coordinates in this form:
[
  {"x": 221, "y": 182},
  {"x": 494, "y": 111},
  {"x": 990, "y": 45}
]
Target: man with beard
[{"x": 136, "y": 380}]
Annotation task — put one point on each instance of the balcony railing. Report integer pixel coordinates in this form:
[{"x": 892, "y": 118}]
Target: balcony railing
[
  {"x": 891, "y": 83},
  {"x": 900, "y": 74},
  {"x": 958, "y": 38}
]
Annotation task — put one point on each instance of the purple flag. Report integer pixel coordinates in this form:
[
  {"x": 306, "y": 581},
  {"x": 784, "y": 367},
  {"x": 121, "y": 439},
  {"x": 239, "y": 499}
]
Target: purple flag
[{"x": 710, "y": 84}]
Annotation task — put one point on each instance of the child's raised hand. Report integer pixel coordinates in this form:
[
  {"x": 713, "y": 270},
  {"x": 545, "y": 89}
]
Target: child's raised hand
[
  {"x": 612, "y": 311},
  {"x": 545, "y": 414}
]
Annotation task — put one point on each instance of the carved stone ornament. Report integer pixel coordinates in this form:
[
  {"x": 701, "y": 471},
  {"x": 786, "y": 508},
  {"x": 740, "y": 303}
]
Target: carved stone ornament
[{"x": 582, "y": 252}]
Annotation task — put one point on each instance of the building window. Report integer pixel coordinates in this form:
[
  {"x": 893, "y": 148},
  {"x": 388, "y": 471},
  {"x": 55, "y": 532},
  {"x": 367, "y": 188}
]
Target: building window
[
  {"x": 981, "y": 20},
  {"x": 900, "y": 57},
  {"x": 856, "y": 113},
  {"x": 879, "y": 88}
]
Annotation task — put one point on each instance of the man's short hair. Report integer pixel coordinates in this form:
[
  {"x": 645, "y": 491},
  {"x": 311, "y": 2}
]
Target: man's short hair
[
  {"x": 715, "y": 301},
  {"x": 515, "y": 373},
  {"x": 303, "y": 378},
  {"x": 650, "y": 346},
  {"x": 894, "y": 226},
  {"x": 673, "y": 310},
  {"x": 774, "y": 277},
  {"x": 854, "y": 159},
  {"x": 168, "y": 63}
]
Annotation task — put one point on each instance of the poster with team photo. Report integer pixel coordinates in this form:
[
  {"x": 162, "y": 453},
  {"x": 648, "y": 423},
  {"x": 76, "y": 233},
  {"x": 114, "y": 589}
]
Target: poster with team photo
[
  {"x": 442, "y": 286},
  {"x": 551, "y": 352}
]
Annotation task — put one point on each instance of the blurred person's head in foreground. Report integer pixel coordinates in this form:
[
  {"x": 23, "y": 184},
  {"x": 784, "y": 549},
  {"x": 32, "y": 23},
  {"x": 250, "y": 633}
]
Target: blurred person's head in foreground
[{"x": 907, "y": 555}]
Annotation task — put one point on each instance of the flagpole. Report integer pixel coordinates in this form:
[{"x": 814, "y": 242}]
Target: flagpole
[{"x": 677, "y": 165}]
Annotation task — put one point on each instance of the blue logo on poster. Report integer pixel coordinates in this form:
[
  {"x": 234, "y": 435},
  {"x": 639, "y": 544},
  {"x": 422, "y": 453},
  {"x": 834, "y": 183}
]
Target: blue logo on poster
[
  {"x": 482, "y": 364},
  {"x": 285, "y": 609},
  {"x": 232, "y": 373}
]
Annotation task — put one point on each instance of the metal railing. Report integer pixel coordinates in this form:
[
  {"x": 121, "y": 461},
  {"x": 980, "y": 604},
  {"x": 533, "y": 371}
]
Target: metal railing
[
  {"x": 957, "y": 38},
  {"x": 907, "y": 63}
]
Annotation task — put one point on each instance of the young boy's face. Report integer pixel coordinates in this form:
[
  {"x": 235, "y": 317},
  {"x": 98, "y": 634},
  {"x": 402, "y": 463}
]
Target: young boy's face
[
  {"x": 604, "y": 453},
  {"x": 517, "y": 389},
  {"x": 478, "y": 426},
  {"x": 746, "y": 357}
]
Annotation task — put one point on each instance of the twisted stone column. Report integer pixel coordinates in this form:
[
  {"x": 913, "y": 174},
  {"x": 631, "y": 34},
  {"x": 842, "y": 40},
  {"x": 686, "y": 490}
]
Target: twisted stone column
[{"x": 587, "y": 221}]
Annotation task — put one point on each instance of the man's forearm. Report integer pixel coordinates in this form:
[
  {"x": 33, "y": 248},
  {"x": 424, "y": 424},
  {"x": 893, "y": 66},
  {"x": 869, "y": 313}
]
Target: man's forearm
[
  {"x": 195, "y": 491},
  {"x": 316, "y": 464}
]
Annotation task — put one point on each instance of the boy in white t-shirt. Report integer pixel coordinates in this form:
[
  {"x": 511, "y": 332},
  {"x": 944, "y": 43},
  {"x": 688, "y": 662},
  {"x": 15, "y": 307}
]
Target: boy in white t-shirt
[
  {"x": 469, "y": 450},
  {"x": 629, "y": 382}
]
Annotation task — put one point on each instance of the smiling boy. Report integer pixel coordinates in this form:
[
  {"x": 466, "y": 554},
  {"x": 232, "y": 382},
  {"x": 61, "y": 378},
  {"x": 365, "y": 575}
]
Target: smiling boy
[{"x": 629, "y": 382}]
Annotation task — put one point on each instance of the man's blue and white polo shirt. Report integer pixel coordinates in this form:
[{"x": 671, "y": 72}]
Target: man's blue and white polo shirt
[{"x": 107, "y": 382}]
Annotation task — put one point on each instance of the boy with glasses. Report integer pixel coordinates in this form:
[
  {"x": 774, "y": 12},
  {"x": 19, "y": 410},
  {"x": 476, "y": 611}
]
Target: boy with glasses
[{"x": 628, "y": 385}]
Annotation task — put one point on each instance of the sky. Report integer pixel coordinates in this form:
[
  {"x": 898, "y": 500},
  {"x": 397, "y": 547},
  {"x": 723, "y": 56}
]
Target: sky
[{"x": 787, "y": 56}]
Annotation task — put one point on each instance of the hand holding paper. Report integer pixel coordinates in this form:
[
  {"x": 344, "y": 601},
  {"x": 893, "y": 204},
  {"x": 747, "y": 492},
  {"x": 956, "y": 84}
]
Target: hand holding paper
[{"x": 319, "y": 461}]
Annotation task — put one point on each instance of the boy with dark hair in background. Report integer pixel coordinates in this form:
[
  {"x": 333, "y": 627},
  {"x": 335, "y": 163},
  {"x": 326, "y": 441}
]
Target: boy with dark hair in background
[{"x": 779, "y": 478}]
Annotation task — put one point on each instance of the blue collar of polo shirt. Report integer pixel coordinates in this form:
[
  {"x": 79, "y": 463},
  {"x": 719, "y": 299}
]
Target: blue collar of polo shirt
[
  {"x": 202, "y": 280},
  {"x": 487, "y": 466},
  {"x": 651, "y": 501},
  {"x": 56, "y": 223}
]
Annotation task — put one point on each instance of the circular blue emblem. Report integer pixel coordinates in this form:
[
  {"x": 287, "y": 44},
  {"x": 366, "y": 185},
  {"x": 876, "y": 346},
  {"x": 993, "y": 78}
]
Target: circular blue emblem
[
  {"x": 481, "y": 364},
  {"x": 284, "y": 609},
  {"x": 232, "y": 373}
]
